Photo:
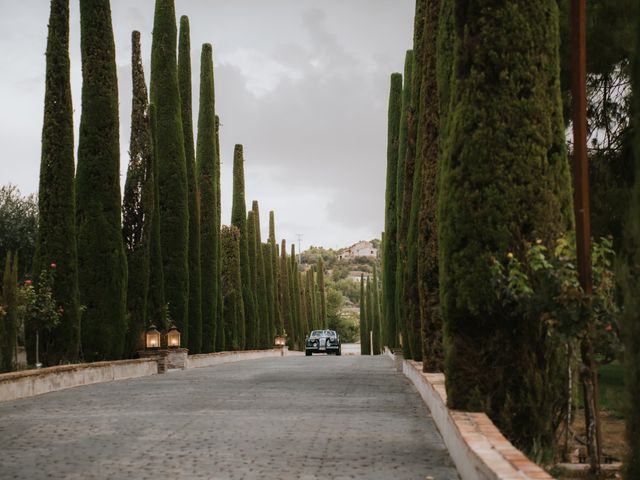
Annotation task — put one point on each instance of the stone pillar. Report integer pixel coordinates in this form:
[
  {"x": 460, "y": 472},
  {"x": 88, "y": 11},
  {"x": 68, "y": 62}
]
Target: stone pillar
[{"x": 167, "y": 358}]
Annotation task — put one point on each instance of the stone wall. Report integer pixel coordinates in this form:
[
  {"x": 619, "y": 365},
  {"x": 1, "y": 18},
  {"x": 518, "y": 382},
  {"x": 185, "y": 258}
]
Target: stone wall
[{"x": 477, "y": 447}]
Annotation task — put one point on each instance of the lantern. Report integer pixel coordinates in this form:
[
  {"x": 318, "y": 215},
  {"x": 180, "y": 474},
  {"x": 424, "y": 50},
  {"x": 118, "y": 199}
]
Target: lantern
[
  {"x": 279, "y": 341},
  {"x": 153, "y": 337},
  {"x": 173, "y": 337}
]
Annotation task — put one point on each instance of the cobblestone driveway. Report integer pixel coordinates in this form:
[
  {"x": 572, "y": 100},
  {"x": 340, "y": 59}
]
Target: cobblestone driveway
[{"x": 290, "y": 418}]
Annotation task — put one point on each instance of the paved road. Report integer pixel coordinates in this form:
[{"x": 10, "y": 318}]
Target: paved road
[{"x": 279, "y": 418}]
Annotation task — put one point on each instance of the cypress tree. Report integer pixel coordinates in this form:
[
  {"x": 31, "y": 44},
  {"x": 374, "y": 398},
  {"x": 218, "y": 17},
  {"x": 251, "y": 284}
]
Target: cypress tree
[
  {"x": 231, "y": 286},
  {"x": 9, "y": 318},
  {"x": 253, "y": 336},
  {"x": 406, "y": 115},
  {"x": 239, "y": 220},
  {"x": 364, "y": 329},
  {"x": 277, "y": 307},
  {"x": 390, "y": 247},
  {"x": 207, "y": 178},
  {"x": 321, "y": 293},
  {"x": 309, "y": 306},
  {"x": 265, "y": 338},
  {"x": 56, "y": 241},
  {"x": 502, "y": 181},
  {"x": 285, "y": 295},
  {"x": 403, "y": 312},
  {"x": 368, "y": 315},
  {"x": 630, "y": 276},
  {"x": 172, "y": 168},
  {"x": 218, "y": 293},
  {"x": 375, "y": 314},
  {"x": 102, "y": 267},
  {"x": 296, "y": 312},
  {"x": 137, "y": 205},
  {"x": 428, "y": 271},
  {"x": 270, "y": 292},
  {"x": 156, "y": 306},
  {"x": 195, "y": 292}
]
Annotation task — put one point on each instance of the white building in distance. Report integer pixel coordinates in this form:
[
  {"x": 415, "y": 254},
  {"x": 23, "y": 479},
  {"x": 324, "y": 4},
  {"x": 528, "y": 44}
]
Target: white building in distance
[{"x": 360, "y": 249}]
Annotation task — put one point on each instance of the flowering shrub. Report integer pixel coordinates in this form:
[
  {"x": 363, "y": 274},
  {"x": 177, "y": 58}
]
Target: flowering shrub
[
  {"x": 545, "y": 285},
  {"x": 40, "y": 308}
]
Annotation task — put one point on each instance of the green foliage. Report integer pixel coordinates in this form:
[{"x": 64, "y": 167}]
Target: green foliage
[
  {"x": 219, "y": 339},
  {"x": 156, "y": 305},
  {"x": 278, "y": 318},
  {"x": 54, "y": 218},
  {"x": 231, "y": 286},
  {"x": 9, "y": 314},
  {"x": 137, "y": 206},
  {"x": 284, "y": 294},
  {"x": 346, "y": 325},
  {"x": 391, "y": 227},
  {"x": 209, "y": 185},
  {"x": 253, "y": 334},
  {"x": 501, "y": 180},
  {"x": 195, "y": 292},
  {"x": 172, "y": 168},
  {"x": 427, "y": 229},
  {"x": 102, "y": 267},
  {"x": 270, "y": 292},
  {"x": 262, "y": 300},
  {"x": 363, "y": 326},
  {"x": 321, "y": 298},
  {"x": 19, "y": 224},
  {"x": 239, "y": 220}
]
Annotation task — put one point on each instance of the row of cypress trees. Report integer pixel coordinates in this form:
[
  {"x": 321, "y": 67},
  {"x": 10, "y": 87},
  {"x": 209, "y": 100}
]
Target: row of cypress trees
[
  {"x": 372, "y": 322},
  {"x": 476, "y": 163},
  {"x": 161, "y": 255}
]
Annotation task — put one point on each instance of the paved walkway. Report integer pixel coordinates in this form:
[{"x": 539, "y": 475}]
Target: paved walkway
[{"x": 277, "y": 418}]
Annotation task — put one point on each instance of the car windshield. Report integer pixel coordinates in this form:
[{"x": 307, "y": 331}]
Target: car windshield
[{"x": 323, "y": 333}]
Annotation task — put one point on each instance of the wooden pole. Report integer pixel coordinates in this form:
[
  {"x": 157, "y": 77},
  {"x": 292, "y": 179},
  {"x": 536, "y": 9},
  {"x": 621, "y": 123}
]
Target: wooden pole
[{"x": 583, "y": 227}]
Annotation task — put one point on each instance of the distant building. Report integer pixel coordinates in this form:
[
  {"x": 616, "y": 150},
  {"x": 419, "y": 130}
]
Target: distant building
[{"x": 361, "y": 249}]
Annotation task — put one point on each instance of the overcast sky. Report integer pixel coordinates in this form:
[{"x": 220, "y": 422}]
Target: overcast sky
[{"x": 302, "y": 84}]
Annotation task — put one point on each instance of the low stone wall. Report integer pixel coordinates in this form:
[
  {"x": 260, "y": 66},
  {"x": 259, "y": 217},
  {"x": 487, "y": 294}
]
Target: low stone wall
[
  {"x": 210, "y": 359},
  {"x": 477, "y": 447},
  {"x": 35, "y": 382}
]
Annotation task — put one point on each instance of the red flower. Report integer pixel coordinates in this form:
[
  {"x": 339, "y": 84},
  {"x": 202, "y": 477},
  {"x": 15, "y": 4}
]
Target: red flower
[
  {"x": 53, "y": 265},
  {"x": 608, "y": 328},
  {"x": 28, "y": 282}
]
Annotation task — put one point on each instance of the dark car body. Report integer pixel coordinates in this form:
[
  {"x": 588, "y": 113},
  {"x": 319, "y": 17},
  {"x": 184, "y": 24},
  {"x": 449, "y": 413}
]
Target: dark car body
[{"x": 323, "y": 341}]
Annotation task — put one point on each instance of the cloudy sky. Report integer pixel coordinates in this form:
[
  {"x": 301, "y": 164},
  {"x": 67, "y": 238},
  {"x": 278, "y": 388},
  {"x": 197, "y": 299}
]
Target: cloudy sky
[{"x": 302, "y": 84}]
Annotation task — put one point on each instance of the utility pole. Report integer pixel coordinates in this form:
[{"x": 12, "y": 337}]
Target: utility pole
[
  {"x": 299, "y": 235},
  {"x": 583, "y": 227}
]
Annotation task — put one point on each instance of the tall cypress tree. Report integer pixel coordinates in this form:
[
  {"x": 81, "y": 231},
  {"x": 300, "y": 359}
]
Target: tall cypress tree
[
  {"x": 209, "y": 227},
  {"x": 390, "y": 245},
  {"x": 137, "y": 205},
  {"x": 311, "y": 299},
  {"x": 102, "y": 266},
  {"x": 428, "y": 270},
  {"x": 270, "y": 292},
  {"x": 403, "y": 312},
  {"x": 9, "y": 318},
  {"x": 219, "y": 339},
  {"x": 368, "y": 315},
  {"x": 239, "y": 220},
  {"x": 56, "y": 240},
  {"x": 364, "y": 329},
  {"x": 285, "y": 295},
  {"x": 278, "y": 319},
  {"x": 630, "y": 281},
  {"x": 261, "y": 292},
  {"x": 502, "y": 181},
  {"x": 172, "y": 168},
  {"x": 375, "y": 314},
  {"x": 322, "y": 296},
  {"x": 231, "y": 285},
  {"x": 294, "y": 285},
  {"x": 156, "y": 306},
  {"x": 195, "y": 292},
  {"x": 253, "y": 335},
  {"x": 406, "y": 116}
]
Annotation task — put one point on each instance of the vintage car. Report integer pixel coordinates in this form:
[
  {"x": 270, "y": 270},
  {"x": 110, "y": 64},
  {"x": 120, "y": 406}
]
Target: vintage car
[{"x": 322, "y": 341}]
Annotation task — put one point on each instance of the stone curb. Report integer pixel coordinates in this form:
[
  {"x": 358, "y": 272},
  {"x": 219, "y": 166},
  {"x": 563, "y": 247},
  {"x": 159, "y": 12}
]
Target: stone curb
[{"x": 477, "y": 447}]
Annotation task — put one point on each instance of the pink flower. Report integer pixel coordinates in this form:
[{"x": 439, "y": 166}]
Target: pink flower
[
  {"x": 28, "y": 282},
  {"x": 53, "y": 265},
  {"x": 60, "y": 310}
]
